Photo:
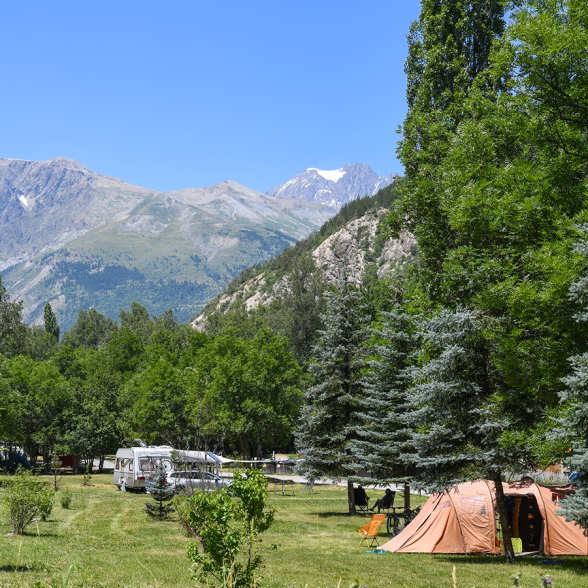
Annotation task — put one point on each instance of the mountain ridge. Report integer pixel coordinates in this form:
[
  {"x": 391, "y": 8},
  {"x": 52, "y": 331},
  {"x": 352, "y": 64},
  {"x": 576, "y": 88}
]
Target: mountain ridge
[
  {"x": 78, "y": 238},
  {"x": 333, "y": 188},
  {"x": 355, "y": 236}
]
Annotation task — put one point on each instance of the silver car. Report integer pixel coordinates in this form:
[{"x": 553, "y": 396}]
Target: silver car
[{"x": 196, "y": 480}]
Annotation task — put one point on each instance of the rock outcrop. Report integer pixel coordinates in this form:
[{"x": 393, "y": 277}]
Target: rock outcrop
[{"x": 355, "y": 244}]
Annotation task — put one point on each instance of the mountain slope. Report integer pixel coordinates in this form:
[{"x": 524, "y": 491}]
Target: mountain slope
[
  {"x": 81, "y": 239},
  {"x": 355, "y": 234},
  {"x": 335, "y": 187},
  {"x": 47, "y": 204}
]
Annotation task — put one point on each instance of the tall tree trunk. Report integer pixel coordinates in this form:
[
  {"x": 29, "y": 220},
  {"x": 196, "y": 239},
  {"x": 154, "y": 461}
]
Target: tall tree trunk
[
  {"x": 406, "y": 496},
  {"x": 45, "y": 459},
  {"x": 503, "y": 517},
  {"x": 350, "y": 497}
]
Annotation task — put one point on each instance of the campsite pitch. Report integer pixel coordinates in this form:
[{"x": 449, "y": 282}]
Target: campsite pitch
[{"x": 313, "y": 542}]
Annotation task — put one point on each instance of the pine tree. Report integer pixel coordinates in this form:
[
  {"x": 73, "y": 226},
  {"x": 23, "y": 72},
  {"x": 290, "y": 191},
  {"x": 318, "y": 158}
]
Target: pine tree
[
  {"x": 328, "y": 420},
  {"x": 51, "y": 325},
  {"x": 575, "y": 423},
  {"x": 382, "y": 435},
  {"x": 161, "y": 492},
  {"x": 462, "y": 413}
]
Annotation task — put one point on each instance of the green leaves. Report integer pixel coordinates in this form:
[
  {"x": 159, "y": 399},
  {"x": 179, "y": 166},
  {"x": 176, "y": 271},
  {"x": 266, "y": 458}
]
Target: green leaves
[
  {"x": 251, "y": 386},
  {"x": 24, "y": 498},
  {"x": 225, "y": 527}
]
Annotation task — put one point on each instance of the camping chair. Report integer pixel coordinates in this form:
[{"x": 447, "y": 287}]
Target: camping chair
[
  {"x": 387, "y": 501},
  {"x": 308, "y": 486},
  {"x": 370, "y": 531},
  {"x": 360, "y": 499}
]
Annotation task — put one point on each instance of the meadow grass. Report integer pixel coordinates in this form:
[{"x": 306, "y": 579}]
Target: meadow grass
[{"x": 312, "y": 544}]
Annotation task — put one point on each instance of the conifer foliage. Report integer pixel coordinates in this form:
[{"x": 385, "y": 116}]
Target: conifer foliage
[
  {"x": 161, "y": 492},
  {"x": 329, "y": 417},
  {"x": 462, "y": 412},
  {"x": 382, "y": 436},
  {"x": 51, "y": 325},
  {"x": 575, "y": 423}
]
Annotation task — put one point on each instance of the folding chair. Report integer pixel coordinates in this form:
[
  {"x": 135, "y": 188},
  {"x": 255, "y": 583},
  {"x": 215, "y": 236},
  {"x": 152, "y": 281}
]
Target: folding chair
[
  {"x": 360, "y": 499},
  {"x": 370, "y": 531},
  {"x": 387, "y": 501},
  {"x": 308, "y": 487}
]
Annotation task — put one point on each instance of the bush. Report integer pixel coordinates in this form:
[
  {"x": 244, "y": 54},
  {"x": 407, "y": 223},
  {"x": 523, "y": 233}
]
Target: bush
[
  {"x": 46, "y": 506},
  {"x": 25, "y": 498},
  {"x": 227, "y": 526},
  {"x": 65, "y": 498},
  {"x": 182, "y": 507}
]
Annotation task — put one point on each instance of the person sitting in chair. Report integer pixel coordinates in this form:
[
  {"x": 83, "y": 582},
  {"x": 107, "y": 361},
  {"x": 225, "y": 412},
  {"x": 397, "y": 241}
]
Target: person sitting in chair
[
  {"x": 386, "y": 501},
  {"x": 360, "y": 497}
]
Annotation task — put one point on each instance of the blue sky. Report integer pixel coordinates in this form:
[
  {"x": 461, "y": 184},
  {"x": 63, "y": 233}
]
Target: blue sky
[{"x": 174, "y": 94}]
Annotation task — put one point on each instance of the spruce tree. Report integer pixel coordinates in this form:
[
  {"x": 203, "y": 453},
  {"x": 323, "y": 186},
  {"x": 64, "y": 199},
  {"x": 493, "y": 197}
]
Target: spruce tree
[
  {"x": 161, "y": 492},
  {"x": 51, "y": 325},
  {"x": 382, "y": 436},
  {"x": 462, "y": 414},
  {"x": 575, "y": 423},
  {"x": 329, "y": 417}
]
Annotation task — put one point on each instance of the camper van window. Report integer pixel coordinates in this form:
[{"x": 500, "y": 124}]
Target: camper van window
[
  {"x": 146, "y": 465},
  {"x": 117, "y": 466},
  {"x": 130, "y": 465}
]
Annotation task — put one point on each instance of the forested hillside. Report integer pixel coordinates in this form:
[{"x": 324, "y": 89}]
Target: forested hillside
[{"x": 257, "y": 284}]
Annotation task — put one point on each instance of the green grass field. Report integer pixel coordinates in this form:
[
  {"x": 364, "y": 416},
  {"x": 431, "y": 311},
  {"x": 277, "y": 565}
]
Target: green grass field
[{"x": 312, "y": 544}]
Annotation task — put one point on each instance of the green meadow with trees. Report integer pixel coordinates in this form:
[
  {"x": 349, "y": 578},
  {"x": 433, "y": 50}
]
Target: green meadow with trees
[{"x": 471, "y": 361}]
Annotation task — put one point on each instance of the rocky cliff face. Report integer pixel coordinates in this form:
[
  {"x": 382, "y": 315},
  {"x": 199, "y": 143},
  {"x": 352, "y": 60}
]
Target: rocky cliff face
[
  {"x": 356, "y": 243},
  {"x": 334, "y": 187}
]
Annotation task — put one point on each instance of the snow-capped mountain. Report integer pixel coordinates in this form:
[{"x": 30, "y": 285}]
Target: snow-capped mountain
[{"x": 333, "y": 187}]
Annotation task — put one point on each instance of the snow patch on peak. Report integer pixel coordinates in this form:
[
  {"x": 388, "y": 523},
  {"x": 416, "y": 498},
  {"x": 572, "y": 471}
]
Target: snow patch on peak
[
  {"x": 333, "y": 175},
  {"x": 28, "y": 204}
]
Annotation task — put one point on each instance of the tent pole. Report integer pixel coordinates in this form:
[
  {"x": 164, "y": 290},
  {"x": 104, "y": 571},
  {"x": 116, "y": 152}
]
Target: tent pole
[{"x": 458, "y": 521}]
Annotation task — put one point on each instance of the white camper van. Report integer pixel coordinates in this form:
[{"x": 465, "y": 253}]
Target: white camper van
[{"x": 135, "y": 464}]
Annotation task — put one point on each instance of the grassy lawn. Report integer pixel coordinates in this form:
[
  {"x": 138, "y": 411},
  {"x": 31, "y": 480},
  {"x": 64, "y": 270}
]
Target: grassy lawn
[{"x": 311, "y": 543}]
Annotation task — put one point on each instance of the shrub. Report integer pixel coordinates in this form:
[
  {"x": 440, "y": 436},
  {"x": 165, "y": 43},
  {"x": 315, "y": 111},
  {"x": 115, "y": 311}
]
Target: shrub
[
  {"x": 226, "y": 526},
  {"x": 25, "y": 498},
  {"x": 46, "y": 506},
  {"x": 182, "y": 507},
  {"x": 56, "y": 467},
  {"x": 65, "y": 498},
  {"x": 87, "y": 475}
]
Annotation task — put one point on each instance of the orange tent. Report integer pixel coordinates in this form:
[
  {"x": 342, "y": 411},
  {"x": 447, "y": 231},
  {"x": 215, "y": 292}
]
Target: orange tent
[{"x": 463, "y": 520}]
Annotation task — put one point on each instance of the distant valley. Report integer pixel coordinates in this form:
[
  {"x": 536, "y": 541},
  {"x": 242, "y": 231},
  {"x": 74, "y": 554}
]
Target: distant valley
[{"x": 77, "y": 238}]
